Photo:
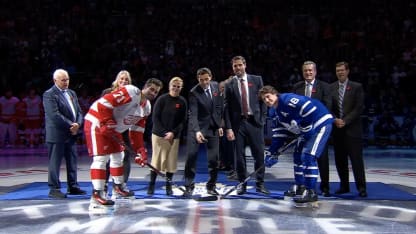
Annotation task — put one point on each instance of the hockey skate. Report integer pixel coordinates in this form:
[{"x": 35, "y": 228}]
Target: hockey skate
[
  {"x": 294, "y": 190},
  {"x": 121, "y": 192},
  {"x": 309, "y": 199},
  {"x": 99, "y": 204}
]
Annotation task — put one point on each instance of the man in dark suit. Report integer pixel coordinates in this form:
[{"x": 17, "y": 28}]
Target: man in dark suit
[
  {"x": 347, "y": 106},
  {"x": 316, "y": 89},
  {"x": 244, "y": 115},
  {"x": 204, "y": 126},
  {"x": 63, "y": 119}
]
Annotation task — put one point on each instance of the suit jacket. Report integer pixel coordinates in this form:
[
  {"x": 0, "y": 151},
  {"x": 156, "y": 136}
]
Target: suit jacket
[
  {"x": 353, "y": 106},
  {"x": 320, "y": 91},
  {"x": 205, "y": 113},
  {"x": 58, "y": 115},
  {"x": 232, "y": 103}
]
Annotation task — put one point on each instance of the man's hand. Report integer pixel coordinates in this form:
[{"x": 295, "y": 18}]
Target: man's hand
[
  {"x": 339, "y": 123},
  {"x": 141, "y": 157},
  {"x": 74, "y": 128},
  {"x": 230, "y": 135},
  {"x": 200, "y": 137},
  {"x": 269, "y": 159}
]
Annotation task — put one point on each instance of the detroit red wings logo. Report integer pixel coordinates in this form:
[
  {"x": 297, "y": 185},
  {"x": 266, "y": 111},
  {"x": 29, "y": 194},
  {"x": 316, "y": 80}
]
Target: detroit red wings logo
[{"x": 131, "y": 119}]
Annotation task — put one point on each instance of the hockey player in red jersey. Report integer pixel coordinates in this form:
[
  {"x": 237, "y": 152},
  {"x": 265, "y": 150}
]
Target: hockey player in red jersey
[{"x": 115, "y": 112}]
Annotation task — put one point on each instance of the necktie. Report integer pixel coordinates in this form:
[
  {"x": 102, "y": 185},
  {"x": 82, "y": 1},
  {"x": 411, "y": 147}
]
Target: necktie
[
  {"x": 340, "y": 99},
  {"x": 244, "y": 103},
  {"x": 71, "y": 104},
  {"x": 208, "y": 93},
  {"x": 308, "y": 89}
]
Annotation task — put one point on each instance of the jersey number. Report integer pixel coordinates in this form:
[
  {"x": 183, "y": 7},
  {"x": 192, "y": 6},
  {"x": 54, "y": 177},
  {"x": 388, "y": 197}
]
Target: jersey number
[{"x": 293, "y": 102}]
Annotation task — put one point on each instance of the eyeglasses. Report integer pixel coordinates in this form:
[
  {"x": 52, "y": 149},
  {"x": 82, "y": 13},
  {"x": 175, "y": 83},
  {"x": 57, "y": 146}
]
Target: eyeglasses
[{"x": 176, "y": 86}]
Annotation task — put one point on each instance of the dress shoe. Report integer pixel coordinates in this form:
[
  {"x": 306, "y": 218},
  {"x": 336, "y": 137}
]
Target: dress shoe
[
  {"x": 362, "y": 193},
  {"x": 212, "y": 191},
  {"x": 261, "y": 189},
  {"x": 242, "y": 189},
  {"x": 189, "y": 190},
  {"x": 232, "y": 175},
  {"x": 56, "y": 193},
  {"x": 76, "y": 191},
  {"x": 342, "y": 191},
  {"x": 325, "y": 192}
]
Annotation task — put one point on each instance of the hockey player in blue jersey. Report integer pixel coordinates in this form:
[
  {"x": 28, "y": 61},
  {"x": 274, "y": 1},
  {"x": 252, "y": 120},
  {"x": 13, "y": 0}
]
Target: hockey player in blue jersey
[{"x": 311, "y": 122}]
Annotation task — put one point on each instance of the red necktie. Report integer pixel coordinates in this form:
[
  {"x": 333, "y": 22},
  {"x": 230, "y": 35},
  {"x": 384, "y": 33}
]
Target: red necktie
[{"x": 244, "y": 98}]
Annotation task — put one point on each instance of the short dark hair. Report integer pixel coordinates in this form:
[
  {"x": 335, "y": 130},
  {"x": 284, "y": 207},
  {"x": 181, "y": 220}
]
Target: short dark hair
[
  {"x": 154, "y": 81},
  {"x": 202, "y": 71},
  {"x": 238, "y": 57},
  {"x": 343, "y": 63},
  {"x": 267, "y": 89}
]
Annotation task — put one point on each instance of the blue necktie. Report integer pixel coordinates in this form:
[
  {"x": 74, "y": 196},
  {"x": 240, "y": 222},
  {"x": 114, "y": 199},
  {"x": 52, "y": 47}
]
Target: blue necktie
[{"x": 70, "y": 102}]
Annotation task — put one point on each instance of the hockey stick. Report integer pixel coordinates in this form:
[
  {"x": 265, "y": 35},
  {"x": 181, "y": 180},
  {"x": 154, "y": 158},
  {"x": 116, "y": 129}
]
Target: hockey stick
[
  {"x": 196, "y": 198},
  {"x": 281, "y": 150}
]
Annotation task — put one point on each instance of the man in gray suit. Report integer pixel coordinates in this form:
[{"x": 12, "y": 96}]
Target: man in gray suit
[
  {"x": 204, "y": 126},
  {"x": 316, "y": 89},
  {"x": 244, "y": 115},
  {"x": 63, "y": 119}
]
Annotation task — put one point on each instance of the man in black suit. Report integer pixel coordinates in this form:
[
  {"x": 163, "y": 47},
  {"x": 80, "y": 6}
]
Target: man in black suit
[
  {"x": 63, "y": 119},
  {"x": 347, "y": 106},
  {"x": 244, "y": 115},
  {"x": 316, "y": 89},
  {"x": 204, "y": 126}
]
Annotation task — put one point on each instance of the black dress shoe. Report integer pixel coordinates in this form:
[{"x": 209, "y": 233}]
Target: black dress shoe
[
  {"x": 261, "y": 189},
  {"x": 76, "y": 191},
  {"x": 325, "y": 192},
  {"x": 232, "y": 175},
  {"x": 242, "y": 189},
  {"x": 212, "y": 191},
  {"x": 56, "y": 193},
  {"x": 342, "y": 191},
  {"x": 189, "y": 190},
  {"x": 362, "y": 193}
]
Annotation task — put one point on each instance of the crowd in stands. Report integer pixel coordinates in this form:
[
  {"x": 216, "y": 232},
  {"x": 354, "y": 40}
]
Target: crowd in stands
[{"x": 95, "y": 39}]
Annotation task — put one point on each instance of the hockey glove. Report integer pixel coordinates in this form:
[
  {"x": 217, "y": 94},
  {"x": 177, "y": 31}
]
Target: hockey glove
[
  {"x": 269, "y": 159},
  {"x": 109, "y": 128},
  {"x": 141, "y": 157}
]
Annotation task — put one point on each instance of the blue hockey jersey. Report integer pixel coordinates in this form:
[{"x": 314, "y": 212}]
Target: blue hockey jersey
[{"x": 296, "y": 114}]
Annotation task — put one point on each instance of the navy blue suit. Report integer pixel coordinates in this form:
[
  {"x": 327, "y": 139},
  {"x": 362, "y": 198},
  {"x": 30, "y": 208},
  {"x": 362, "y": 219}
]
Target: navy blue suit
[
  {"x": 247, "y": 130},
  {"x": 205, "y": 115},
  {"x": 59, "y": 140}
]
